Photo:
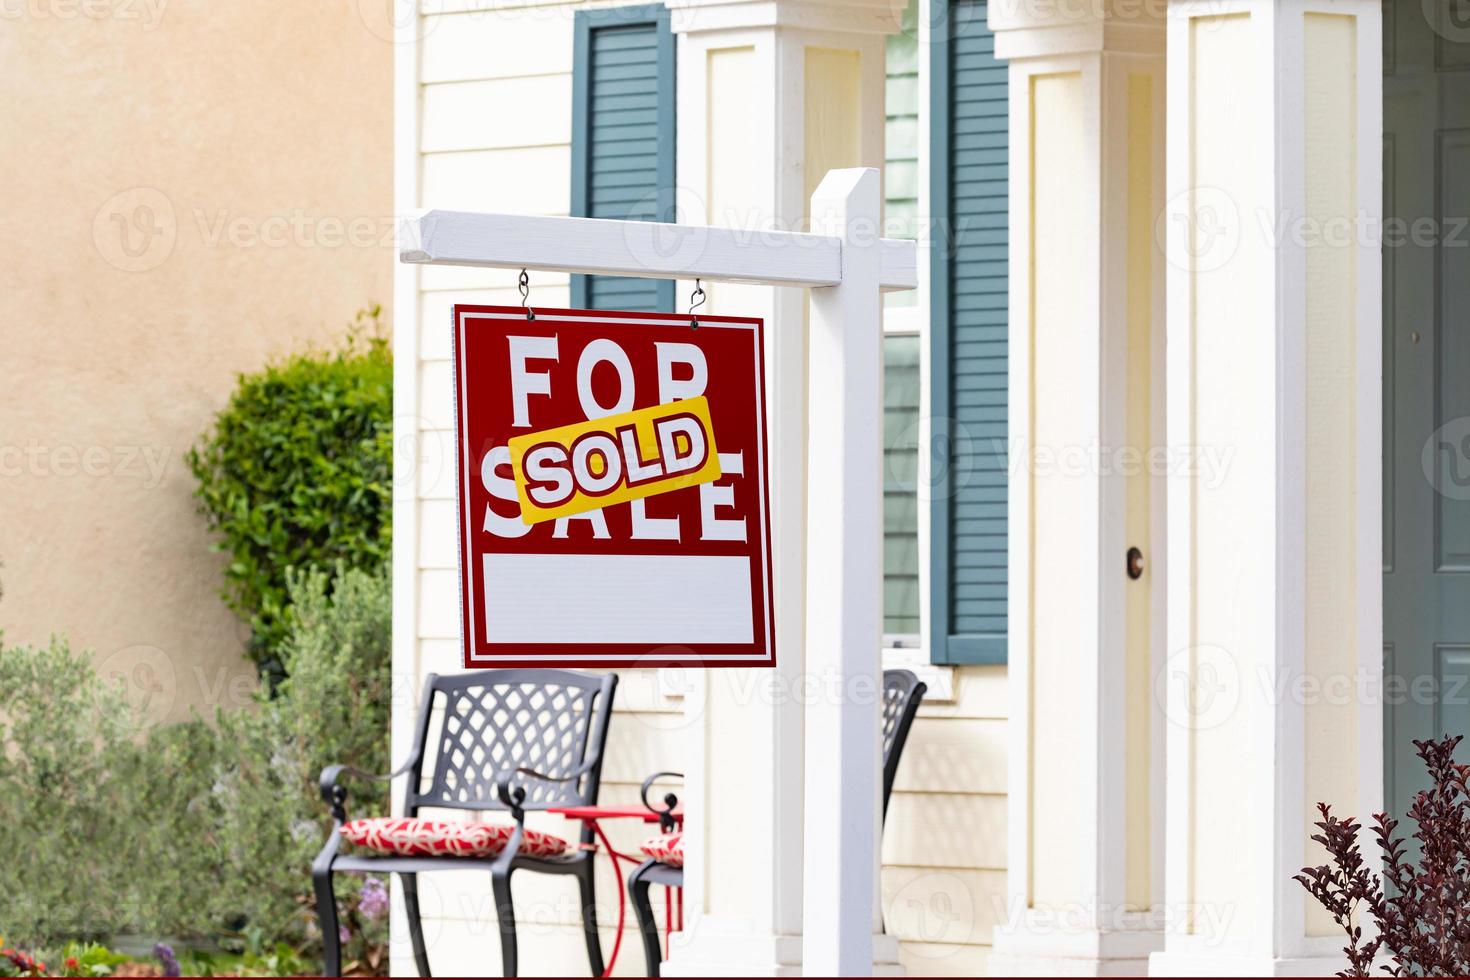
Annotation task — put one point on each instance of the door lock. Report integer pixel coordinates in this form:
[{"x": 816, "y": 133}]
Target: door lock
[{"x": 1135, "y": 564}]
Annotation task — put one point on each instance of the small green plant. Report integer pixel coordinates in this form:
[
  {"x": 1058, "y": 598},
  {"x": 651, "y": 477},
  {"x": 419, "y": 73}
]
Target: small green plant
[
  {"x": 296, "y": 473},
  {"x": 89, "y": 960}
]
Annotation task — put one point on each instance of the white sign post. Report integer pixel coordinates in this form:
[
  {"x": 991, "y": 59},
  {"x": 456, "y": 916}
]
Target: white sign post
[{"x": 846, "y": 265}]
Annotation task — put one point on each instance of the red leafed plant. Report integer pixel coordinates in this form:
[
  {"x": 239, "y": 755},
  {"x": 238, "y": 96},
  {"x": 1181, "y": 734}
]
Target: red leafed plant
[{"x": 1423, "y": 915}]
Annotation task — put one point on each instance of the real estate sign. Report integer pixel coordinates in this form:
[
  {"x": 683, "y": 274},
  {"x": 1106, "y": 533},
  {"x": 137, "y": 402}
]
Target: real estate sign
[{"x": 612, "y": 489}]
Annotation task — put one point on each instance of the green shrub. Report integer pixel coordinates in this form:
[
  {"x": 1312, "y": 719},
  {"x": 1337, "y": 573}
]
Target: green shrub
[
  {"x": 296, "y": 473},
  {"x": 191, "y": 830},
  {"x": 166, "y": 842},
  {"x": 61, "y": 731},
  {"x": 104, "y": 832},
  {"x": 333, "y": 706}
]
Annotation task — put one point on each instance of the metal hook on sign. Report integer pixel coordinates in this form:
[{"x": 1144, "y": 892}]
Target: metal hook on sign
[
  {"x": 696, "y": 300},
  {"x": 524, "y": 284}
]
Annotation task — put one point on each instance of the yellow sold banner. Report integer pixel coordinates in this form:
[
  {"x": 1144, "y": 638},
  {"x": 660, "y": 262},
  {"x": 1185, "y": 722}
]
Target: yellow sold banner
[{"x": 611, "y": 460}]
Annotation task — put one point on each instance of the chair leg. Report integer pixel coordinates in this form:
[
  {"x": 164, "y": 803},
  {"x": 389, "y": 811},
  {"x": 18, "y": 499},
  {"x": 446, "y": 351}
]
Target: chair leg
[
  {"x": 326, "y": 913},
  {"x": 415, "y": 923},
  {"x": 647, "y": 928},
  {"x": 505, "y": 914},
  {"x": 585, "y": 881}
]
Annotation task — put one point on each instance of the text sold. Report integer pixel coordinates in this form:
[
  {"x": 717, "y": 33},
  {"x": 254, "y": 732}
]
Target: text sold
[{"x": 617, "y": 458}]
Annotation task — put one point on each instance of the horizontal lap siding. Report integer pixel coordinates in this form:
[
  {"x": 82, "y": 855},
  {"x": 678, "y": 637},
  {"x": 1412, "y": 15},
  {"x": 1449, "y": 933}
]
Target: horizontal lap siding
[
  {"x": 495, "y": 134},
  {"x": 944, "y": 840}
]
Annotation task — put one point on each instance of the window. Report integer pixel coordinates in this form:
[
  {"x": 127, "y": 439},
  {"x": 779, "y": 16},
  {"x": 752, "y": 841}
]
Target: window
[
  {"x": 901, "y": 409},
  {"x": 623, "y": 138},
  {"x": 902, "y": 338}
]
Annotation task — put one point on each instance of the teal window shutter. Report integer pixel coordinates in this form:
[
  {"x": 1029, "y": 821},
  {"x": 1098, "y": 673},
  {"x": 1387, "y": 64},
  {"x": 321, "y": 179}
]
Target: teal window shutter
[
  {"x": 969, "y": 113},
  {"x": 623, "y": 138}
]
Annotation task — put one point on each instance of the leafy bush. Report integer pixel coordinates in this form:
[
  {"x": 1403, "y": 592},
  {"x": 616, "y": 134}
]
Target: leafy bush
[
  {"x": 194, "y": 830},
  {"x": 333, "y": 706},
  {"x": 296, "y": 473},
  {"x": 1423, "y": 915},
  {"x": 61, "y": 733},
  {"x": 166, "y": 842},
  {"x": 110, "y": 833}
]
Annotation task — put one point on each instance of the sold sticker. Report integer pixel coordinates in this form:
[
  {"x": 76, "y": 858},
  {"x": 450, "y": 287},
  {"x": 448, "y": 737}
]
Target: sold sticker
[{"x": 612, "y": 460}]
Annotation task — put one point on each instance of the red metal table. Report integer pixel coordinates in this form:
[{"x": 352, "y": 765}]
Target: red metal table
[{"x": 592, "y": 816}]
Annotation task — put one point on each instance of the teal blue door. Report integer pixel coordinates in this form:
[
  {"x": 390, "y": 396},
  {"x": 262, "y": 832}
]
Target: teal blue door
[{"x": 1426, "y": 379}]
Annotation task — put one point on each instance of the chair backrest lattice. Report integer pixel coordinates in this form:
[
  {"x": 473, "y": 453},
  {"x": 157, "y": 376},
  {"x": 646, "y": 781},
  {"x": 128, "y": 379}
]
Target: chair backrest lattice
[
  {"x": 902, "y": 694},
  {"x": 477, "y": 726}
]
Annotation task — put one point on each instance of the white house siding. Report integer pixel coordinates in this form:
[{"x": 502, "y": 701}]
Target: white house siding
[
  {"x": 944, "y": 847},
  {"x": 485, "y": 124}
]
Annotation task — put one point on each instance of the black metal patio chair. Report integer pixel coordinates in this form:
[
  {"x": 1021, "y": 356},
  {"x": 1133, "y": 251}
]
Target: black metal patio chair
[
  {"x": 903, "y": 692},
  {"x": 508, "y": 740}
]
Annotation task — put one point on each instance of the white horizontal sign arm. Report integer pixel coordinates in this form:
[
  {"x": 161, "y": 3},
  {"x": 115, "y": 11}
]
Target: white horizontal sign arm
[{"x": 643, "y": 249}]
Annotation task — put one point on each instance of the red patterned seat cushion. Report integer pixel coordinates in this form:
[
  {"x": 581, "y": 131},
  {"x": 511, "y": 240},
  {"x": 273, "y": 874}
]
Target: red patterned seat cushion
[
  {"x": 666, "y": 848},
  {"x": 412, "y": 837}
]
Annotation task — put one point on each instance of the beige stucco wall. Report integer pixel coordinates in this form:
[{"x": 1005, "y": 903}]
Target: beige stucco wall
[{"x": 253, "y": 140}]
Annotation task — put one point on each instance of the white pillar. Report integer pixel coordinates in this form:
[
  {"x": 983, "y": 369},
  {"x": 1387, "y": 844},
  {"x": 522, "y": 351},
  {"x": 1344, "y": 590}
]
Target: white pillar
[
  {"x": 844, "y": 588},
  {"x": 1275, "y": 633},
  {"x": 1086, "y": 405},
  {"x": 771, "y": 95}
]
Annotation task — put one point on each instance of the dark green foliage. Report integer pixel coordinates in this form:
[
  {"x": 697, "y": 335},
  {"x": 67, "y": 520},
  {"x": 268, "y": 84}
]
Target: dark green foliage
[{"x": 297, "y": 473}]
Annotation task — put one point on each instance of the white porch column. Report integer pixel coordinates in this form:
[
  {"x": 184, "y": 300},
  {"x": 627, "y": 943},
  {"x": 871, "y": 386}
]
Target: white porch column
[
  {"x": 771, "y": 95},
  {"x": 1275, "y": 634},
  {"x": 1086, "y": 405}
]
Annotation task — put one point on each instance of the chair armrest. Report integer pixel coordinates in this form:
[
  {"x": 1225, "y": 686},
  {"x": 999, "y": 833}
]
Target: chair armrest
[
  {"x": 513, "y": 798},
  {"x": 334, "y": 794},
  {"x": 665, "y": 816}
]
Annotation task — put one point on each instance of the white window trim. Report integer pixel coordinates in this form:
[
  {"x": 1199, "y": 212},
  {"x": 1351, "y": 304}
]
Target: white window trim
[
  {"x": 908, "y": 651},
  {"x": 938, "y": 677}
]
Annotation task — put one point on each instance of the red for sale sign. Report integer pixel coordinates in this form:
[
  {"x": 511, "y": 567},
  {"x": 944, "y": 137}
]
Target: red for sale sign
[{"x": 612, "y": 489}]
